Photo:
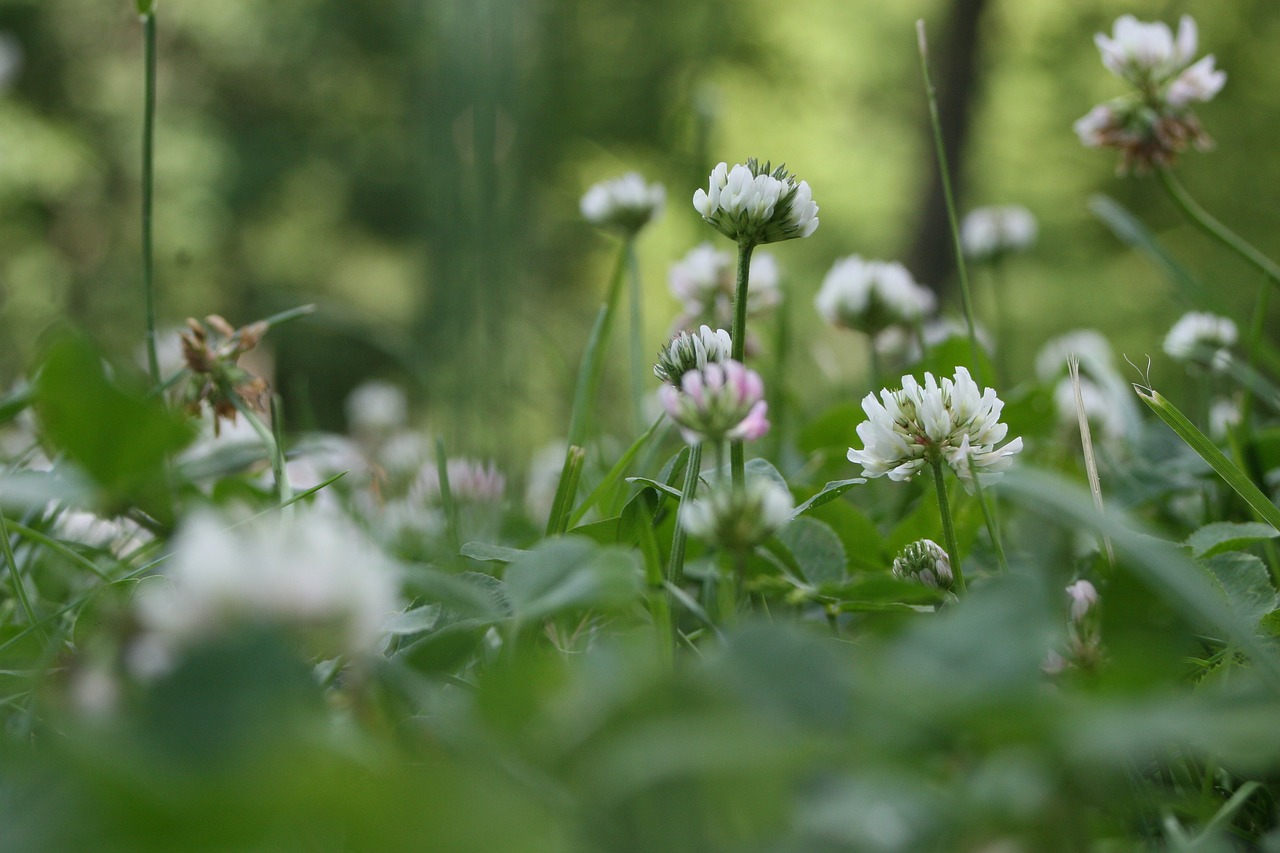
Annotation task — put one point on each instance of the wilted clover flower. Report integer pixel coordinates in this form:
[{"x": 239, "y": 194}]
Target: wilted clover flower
[
  {"x": 703, "y": 281},
  {"x": 211, "y": 349},
  {"x": 925, "y": 561},
  {"x": 989, "y": 232},
  {"x": 1154, "y": 124},
  {"x": 626, "y": 203},
  {"x": 311, "y": 573},
  {"x": 692, "y": 351},
  {"x": 948, "y": 422},
  {"x": 751, "y": 204},
  {"x": 1203, "y": 339},
  {"x": 738, "y": 519},
  {"x": 718, "y": 402},
  {"x": 871, "y": 296}
]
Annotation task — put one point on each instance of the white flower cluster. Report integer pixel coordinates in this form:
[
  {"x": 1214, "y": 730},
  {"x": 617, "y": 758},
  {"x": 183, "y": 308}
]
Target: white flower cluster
[
  {"x": 871, "y": 296},
  {"x": 627, "y": 203},
  {"x": 470, "y": 481},
  {"x": 919, "y": 424},
  {"x": 1107, "y": 397},
  {"x": 1152, "y": 125},
  {"x": 751, "y": 204},
  {"x": 1202, "y": 338},
  {"x": 739, "y": 520},
  {"x": 703, "y": 281},
  {"x": 692, "y": 351},
  {"x": 925, "y": 561},
  {"x": 717, "y": 403},
  {"x": 311, "y": 573},
  {"x": 989, "y": 232}
]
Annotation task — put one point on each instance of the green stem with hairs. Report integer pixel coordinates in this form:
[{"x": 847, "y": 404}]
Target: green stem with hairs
[
  {"x": 948, "y": 527},
  {"x": 737, "y": 453},
  {"x": 944, "y": 174},
  {"x": 148, "y": 184}
]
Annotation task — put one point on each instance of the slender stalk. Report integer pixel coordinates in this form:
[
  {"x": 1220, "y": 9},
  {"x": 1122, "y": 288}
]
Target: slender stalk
[
  {"x": 737, "y": 453},
  {"x": 274, "y": 450},
  {"x": 19, "y": 588},
  {"x": 637, "y": 337},
  {"x": 944, "y": 174},
  {"x": 675, "y": 572},
  {"x": 451, "y": 525},
  {"x": 1215, "y": 229},
  {"x": 592, "y": 367},
  {"x": 873, "y": 363},
  {"x": 948, "y": 527},
  {"x": 148, "y": 185},
  {"x": 993, "y": 528}
]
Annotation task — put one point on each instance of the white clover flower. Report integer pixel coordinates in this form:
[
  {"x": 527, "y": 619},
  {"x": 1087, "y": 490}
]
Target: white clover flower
[
  {"x": 871, "y": 296},
  {"x": 376, "y": 407},
  {"x": 692, "y": 351},
  {"x": 311, "y": 572},
  {"x": 1099, "y": 407},
  {"x": 1143, "y": 53},
  {"x": 1199, "y": 82},
  {"x": 991, "y": 231},
  {"x": 922, "y": 424},
  {"x": 470, "y": 481},
  {"x": 120, "y": 535},
  {"x": 738, "y": 520},
  {"x": 1224, "y": 416},
  {"x": 1088, "y": 345},
  {"x": 1202, "y": 338},
  {"x": 718, "y": 402},
  {"x": 1083, "y": 597},
  {"x": 1097, "y": 127},
  {"x": 627, "y": 203},
  {"x": 925, "y": 561},
  {"x": 751, "y": 204}
]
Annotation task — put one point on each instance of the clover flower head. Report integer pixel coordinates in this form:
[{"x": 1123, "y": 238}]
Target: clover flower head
[
  {"x": 1203, "y": 339},
  {"x": 1088, "y": 345},
  {"x": 703, "y": 281},
  {"x": 871, "y": 296},
  {"x": 949, "y": 421},
  {"x": 753, "y": 204},
  {"x": 1198, "y": 83},
  {"x": 470, "y": 481},
  {"x": 925, "y": 561},
  {"x": 1100, "y": 407},
  {"x": 989, "y": 232},
  {"x": 718, "y": 402},
  {"x": 376, "y": 407},
  {"x": 738, "y": 520},
  {"x": 688, "y": 351},
  {"x": 1145, "y": 53},
  {"x": 1084, "y": 596},
  {"x": 311, "y": 572},
  {"x": 627, "y": 203}
]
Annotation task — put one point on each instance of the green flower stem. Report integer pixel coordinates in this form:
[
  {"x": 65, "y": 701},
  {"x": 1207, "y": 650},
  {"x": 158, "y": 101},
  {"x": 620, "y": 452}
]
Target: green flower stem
[
  {"x": 873, "y": 362},
  {"x": 944, "y": 174},
  {"x": 948, "y": 527},
  {"x": 1215, "y": 229},
  {"x": 584, "y": 396},
  {"x": 737, "y": 453},
  {"x": 999, "y": 314},
  {"x": 19, "y": 588},
  {"x": 148, "y": 185},
  {"x": 675, "y": 571},
  {"x": 993, "y": 526},
  {"x": 637, "y": 337}
]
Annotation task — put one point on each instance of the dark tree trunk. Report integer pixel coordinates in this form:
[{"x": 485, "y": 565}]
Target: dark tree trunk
[{"x": 953, "y": 66}]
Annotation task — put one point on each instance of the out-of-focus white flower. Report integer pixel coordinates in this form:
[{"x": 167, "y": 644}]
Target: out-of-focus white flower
[
  {"x": 719, "y": 402},
  {"x": 991, "y": 231},
  {"x": 1096, "y": 127},
  {"x": 920, "y": 424},
  {"x": 627, "y": 203},
  {"x": 404, "y": 452},
  {"x": 925, "y": 561},
  {"x": 751, "y": 204},
  {"x": 1099, "y": 407},
  {"x": 692, "y": 351},
  {"x": 470, "y": 481},
  {"x": 1199, "y": 82},
  {"x": 311, "y": 572},
  {"x": 1202, "y": 338},
  {"x": 903, "y": 342},
  {"x": 738, "y": 520},
  {"x": 118, "y": 535},
  {"x": 1145, "y": 53},
  {"x": 703, "y": 281},
  {"x": 1088, "y": 345},
  {"x": 1224, "y": 415},
  {"x": 1083, "y": 597},
  {"x": 871, "y": 296},
  {"x": 376, "y": 408}
]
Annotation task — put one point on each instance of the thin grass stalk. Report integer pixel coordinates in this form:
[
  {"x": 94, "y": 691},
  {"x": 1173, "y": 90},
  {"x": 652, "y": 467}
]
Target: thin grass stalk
[
  {"x": 737, "y": 452},
  {"x": 566, "y": 489},
  {"x": 638, "y": 359},
  {"x": 148, "y": 183},
  {"x": 19, "y": 587},
  {"x": 1215, "y": 229},
  {"x": 8, "y": 525},
  {"x": 1090, "y": 458},
  {"x": 613, "y": 479},
  {"x": 584, "y": 397},
  {"x": 993, "y": 526},
  {"x": 452, "y": 529},
  {"x": 944, "y": 174},
  {"x": 675, "y": 571},
  {"x": 948, "y": 526},
  {"x": 275, "y": 451}
]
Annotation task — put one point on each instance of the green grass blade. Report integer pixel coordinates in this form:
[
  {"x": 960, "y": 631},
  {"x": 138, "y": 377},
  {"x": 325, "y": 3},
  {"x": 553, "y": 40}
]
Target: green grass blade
[
  {"x": 558, "y": 521},
  {"x": 1129, "y": 230},
  {"x": 614, "y": 478}
]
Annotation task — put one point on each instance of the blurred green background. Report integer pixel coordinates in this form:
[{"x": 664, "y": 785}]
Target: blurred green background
[{"x": 414, "y": 167}]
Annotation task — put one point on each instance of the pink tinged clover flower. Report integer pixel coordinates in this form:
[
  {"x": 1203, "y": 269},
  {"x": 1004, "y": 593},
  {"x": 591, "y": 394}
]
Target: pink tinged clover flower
[
  {"x": 751, "y": 204},
  {"x": 948, "y": 421},
  {"x": 718, "y": 402}
]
